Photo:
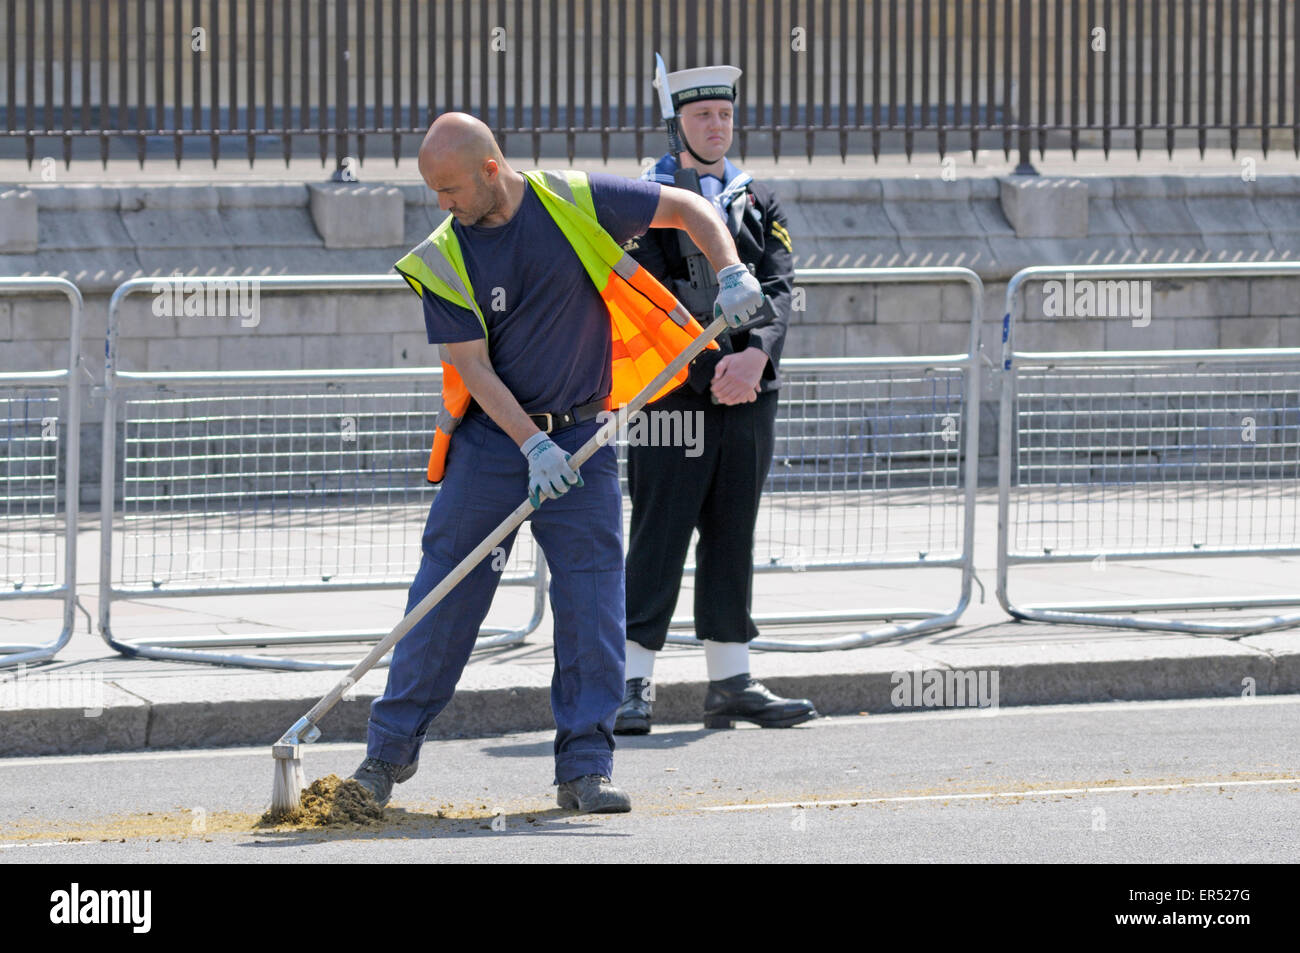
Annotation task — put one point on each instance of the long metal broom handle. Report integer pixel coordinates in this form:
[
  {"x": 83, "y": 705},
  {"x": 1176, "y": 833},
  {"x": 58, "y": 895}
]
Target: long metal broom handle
[{"x": 506, "y": 527}]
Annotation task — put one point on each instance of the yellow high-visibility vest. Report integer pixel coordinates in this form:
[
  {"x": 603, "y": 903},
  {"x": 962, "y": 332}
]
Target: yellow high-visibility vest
[{"x": 648, "y": 325}]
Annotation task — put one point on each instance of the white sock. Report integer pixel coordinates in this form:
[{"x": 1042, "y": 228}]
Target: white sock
[
  {"x": 640, "y": 661},
  {"x": 725, "y": 659}
]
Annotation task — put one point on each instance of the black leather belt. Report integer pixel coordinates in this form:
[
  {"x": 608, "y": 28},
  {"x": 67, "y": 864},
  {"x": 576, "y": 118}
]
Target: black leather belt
[{"x": 549, "y": 423}]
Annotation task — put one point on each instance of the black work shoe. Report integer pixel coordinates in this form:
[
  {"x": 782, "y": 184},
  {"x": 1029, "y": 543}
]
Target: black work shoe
[
  {"x": 633, "y": 716},
  {"x": 593, "y": 794},
  {"x": 378, "y": 777},
  {"x": 741, "y": 698}
]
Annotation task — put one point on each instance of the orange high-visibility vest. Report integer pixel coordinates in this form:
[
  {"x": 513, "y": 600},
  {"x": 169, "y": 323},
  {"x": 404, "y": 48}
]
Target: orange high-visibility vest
[{"x": 648, "y": 325}]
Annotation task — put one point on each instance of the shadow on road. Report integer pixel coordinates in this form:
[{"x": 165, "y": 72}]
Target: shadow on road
[{"x": 659, "y": 738}]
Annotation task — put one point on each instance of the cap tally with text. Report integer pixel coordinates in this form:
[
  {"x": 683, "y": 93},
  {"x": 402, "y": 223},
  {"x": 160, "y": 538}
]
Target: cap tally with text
[{"x": 703, "y": 82}]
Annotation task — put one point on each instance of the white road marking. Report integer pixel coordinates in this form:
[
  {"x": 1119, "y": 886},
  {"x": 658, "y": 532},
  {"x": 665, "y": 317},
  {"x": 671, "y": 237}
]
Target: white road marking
[
  {"x": 47, "y": 843},
  {"x": 883, "y": 718},
  {"x": 1041, "y": 792},
  {"x": 261, "y": 751}
]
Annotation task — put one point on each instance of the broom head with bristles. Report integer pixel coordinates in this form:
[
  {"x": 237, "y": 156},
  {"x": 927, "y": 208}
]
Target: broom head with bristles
[{"x": 286, "y": 790}]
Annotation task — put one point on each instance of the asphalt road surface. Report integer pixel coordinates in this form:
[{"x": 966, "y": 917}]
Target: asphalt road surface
[{"x": 1190, "y": 781}]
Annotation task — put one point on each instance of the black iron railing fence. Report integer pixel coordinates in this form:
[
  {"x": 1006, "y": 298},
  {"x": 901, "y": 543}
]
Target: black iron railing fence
[{"x": 848, "y": 76}]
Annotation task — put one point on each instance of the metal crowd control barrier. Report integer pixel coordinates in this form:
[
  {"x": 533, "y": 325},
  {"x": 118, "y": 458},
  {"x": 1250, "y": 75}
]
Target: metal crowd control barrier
[
  {"x": 256, "y": 483},
  {"x": 1137, "y": 455},
  {"x": 40, "y": 414},
  {"x": 875, "y": 468}
]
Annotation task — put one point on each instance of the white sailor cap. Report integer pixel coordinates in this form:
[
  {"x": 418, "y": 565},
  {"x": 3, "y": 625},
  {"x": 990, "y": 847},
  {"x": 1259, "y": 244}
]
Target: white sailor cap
[{"x": 702, "y": 82}]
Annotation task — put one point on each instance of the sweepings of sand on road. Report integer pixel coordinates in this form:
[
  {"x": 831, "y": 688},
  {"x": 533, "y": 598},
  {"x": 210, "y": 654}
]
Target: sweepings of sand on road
[
  {"x": 181, "y": 824},
  {"x": 328, "y": 813},
  {"x": 198, "y": 825},
  {"x": 330, "y": 802}
]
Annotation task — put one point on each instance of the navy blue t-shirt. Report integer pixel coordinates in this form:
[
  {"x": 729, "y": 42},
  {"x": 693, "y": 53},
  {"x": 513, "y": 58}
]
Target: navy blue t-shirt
[{"x": 548, "y": 329}]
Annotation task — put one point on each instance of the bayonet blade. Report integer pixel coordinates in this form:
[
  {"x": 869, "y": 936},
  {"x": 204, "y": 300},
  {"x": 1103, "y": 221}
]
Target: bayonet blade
[{"x": 666, "y": 110}]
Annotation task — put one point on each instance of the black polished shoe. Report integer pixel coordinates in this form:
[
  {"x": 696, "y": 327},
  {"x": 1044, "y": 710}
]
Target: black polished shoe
[
  {"x": 378, "y": 777},
  {"x": 593, "y": 794},
  {"x": 741, "y": 698},
  {"x": 633, "y": 716}
]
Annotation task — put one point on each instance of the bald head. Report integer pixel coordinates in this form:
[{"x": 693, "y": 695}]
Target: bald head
[
  {"x": 459, "y": 137},
  {"x": 461, "y": 161}
]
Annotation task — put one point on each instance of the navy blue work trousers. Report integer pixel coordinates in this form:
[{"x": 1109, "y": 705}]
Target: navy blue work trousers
[{"x": 581, "y": 534}]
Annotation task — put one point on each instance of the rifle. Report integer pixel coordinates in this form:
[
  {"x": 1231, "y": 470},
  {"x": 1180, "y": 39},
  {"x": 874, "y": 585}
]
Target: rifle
[{"x": 701, "y": 288}]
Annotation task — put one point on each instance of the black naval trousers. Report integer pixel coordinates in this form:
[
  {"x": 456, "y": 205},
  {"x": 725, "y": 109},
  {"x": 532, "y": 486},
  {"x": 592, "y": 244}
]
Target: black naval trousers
[{"x": 717, "y": 492}]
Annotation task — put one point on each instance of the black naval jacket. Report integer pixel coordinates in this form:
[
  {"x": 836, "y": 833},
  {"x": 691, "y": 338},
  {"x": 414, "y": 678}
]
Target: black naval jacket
[{"x": 763, "y": 243}]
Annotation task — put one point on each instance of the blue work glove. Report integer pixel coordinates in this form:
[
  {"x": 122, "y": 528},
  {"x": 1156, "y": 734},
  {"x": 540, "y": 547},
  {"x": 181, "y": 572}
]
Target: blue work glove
[
  {"x": 739, "y": 295},
  {"x": 549, "y": 473}
]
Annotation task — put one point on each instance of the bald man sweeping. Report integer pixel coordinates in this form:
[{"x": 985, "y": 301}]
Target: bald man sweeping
[{"x": 512, "y": 284}]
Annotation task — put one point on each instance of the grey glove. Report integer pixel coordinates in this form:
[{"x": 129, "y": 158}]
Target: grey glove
[
  {"x": 739, "y": 295},
  {"x": 549, "y": 473}
]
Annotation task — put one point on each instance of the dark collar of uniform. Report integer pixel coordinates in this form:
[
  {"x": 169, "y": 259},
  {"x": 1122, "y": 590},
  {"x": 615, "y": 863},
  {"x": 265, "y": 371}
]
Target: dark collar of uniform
[{"x": 733, "y": 186}]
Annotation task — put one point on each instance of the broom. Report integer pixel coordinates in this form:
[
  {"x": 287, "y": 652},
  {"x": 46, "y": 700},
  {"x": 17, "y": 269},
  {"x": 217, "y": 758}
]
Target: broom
[{"x": 289, "y": 777}]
